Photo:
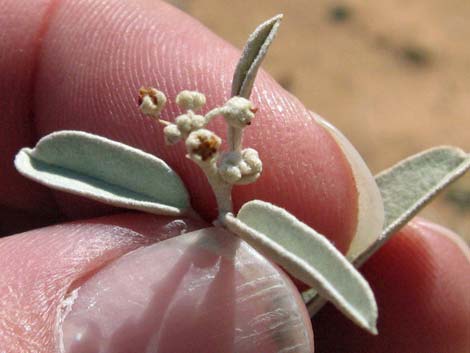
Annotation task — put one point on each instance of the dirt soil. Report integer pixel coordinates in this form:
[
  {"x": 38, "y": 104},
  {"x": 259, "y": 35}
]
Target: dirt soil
[{"x": 393, "y": 75}]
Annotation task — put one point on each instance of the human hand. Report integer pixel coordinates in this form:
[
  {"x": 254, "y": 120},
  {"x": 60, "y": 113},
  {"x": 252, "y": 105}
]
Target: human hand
[{"x": 77, "y": 65}]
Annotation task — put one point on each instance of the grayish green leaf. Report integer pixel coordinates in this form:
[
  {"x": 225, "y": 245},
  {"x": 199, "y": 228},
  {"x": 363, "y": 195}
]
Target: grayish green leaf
[
  {"x": 308, "y": 256},
  {"x": 412, "y": 183},
  {"x": 253, "y": 54},
  {"x": 406, "y": 188},
  {"x": 106, "y": 171}
]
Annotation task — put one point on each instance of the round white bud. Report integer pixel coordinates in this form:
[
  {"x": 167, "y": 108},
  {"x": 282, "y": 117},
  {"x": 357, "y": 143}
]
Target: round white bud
[
  {"x": 240, "y": 167},
  {"x": 251, "y": 158},
  {"x": 190, "y": 100},
  {"x": 229, "y": 169},
  {"x": 230, "y": 173},
  {"x": 184, "y": 123},
  {"x": 198, "y": 122},
  {"x": 238, "y": 112},
  {"x": 172, "y": 134},
  {"x": 190, "y": 122}
]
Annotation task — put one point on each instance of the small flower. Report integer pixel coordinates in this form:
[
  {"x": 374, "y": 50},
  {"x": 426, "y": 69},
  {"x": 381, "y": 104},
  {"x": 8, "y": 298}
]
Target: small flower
[
  {"x": 151, "y": 101},
  {"x": 190, "y": 122},
  {"x": 172, "y": 134},
  {"x": 190, "y": 100},
  {"x": 229, "y": 169},
  {"x": 238, "y": 112},
  {"x": 203, "y": 145},
  {"x": 184, "y": 123},
  {"x": 251, "y": 158},
  {"x": 240, "y": 167}
]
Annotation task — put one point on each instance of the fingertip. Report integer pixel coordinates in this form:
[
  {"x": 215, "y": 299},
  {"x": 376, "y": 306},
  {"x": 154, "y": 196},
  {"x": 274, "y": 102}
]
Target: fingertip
[
  {"x": 204, "y": 291},
  {"x": 447, "y": 234},
  {"x": 41, "y": 266},
  {"x": 20, "y": 40}
]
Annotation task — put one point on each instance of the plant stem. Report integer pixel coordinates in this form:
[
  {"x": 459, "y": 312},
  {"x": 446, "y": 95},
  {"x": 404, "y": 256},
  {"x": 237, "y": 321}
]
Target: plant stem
[
  {"x": 222, "y": 190},
  {"x": 234, "y": 138},
  {"x": 211, "y": 114}
]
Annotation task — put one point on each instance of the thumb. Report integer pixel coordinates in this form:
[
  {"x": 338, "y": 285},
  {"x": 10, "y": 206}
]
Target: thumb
[{"x": 101, "y": 286}]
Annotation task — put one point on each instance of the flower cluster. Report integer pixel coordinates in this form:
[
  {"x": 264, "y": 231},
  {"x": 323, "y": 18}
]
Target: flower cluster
[
  {"x": 240, "y": 167},
  {"x": 188, "y": 122},
  {"x": 236, "y": 166}
]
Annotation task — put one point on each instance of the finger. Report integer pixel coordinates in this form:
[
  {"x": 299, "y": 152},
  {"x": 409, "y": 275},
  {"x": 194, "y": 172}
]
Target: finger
[
  {"x": 20, "y": 41},
  {"x": 40, "y": 267},
  {"x": 421, "y": 282},
  {"x": 94, "y": 57},
  {"x": 208, "y": 288}
]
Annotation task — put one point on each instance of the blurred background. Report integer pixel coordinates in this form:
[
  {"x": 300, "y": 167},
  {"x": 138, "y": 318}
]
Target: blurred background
[{"x": 392, "y": 75}]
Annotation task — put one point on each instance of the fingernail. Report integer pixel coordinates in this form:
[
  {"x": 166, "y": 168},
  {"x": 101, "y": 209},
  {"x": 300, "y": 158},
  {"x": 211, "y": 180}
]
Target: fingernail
[
  {"x": 371, "y": 214},
  {"x": 204, "y": 291}
]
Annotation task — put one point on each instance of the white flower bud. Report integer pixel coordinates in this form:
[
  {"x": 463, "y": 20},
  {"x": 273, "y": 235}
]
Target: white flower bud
[
  {"x": 190, "y": 100},
  {"x": 240, "y": 168},
  {"x": 198, "y": 122},
  {"x": 203, "y": 145},
  {"x": 184, "y": 123},
  {"x": 230, "y": 174},
  {"x": 172, "y": 134},
  {"x": 238, "y": 112},
  {"x": 251, "y": 158},
  {"x": 190, "y": 122},
  {"x": 229, "y": 168},
  {"x": 151, "y": 101}
]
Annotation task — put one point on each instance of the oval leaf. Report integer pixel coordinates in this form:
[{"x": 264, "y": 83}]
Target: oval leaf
[
  {"x": 412, "y": 183},
  {"x": 308, "y": 256},
  {"x": 406, "y": 188},
  {"x": 104, "y": 170},
  {"x": 253, "y": 54}
]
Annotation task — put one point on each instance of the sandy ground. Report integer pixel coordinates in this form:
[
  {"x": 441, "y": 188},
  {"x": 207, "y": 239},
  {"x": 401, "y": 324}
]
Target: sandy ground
[{"x": 393, "y": 75}]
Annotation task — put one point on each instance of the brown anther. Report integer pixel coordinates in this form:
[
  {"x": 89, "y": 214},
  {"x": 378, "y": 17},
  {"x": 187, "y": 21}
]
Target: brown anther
[
  {"x": 254, "y": 110},
  {"x": 147, "y": 92},
  {"x": 207, "y": 148}
]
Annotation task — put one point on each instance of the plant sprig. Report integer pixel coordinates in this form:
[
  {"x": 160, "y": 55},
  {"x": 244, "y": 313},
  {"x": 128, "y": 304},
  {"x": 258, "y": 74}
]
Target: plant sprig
[{"x": 120, "y": 175}]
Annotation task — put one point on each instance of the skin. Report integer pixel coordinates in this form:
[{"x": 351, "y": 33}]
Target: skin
[{"x": 78, "y": 65}]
